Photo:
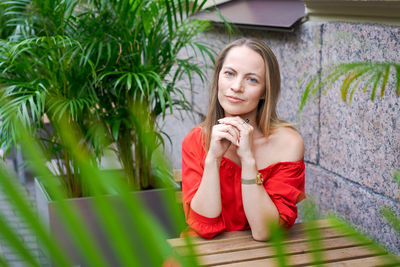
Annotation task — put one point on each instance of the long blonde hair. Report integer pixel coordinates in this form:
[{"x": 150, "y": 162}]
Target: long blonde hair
[{"x": 267, "y": 119}]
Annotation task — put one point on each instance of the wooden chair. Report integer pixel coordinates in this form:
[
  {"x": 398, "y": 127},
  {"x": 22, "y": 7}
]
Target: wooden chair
[{"x": 178, "y": 179}]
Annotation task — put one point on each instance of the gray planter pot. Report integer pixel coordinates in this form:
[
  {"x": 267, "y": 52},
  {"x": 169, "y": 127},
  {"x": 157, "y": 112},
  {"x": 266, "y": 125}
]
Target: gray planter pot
[{"x": 153, "y": 199}]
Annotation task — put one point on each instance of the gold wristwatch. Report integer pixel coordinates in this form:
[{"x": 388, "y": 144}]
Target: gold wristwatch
[{"x": 258, "y": 180}]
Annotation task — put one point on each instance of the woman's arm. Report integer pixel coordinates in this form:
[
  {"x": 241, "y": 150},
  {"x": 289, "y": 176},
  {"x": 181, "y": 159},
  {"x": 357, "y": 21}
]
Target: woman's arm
[
  {"x": 259, "y": 208},
  {"x": 207, "y": 200},
  {"x": 193, "y": 158}
]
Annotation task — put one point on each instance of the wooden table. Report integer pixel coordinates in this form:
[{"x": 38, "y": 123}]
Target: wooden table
[{"x": 239, "y": 249}]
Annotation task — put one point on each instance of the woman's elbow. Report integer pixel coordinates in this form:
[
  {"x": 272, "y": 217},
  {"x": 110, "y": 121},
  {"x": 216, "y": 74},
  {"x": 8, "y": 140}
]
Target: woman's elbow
[
  {"x": 263, "y": 233},
  {"x": 260, "y": 235}
]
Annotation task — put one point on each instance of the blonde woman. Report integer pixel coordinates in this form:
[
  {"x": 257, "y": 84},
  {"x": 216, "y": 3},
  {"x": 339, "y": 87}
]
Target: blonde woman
[{"x": 242, "y": 167}]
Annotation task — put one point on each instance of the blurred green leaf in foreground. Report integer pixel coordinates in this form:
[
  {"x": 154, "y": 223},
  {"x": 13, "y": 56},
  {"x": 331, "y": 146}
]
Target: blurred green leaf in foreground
[{"x": 138, "y": 241}]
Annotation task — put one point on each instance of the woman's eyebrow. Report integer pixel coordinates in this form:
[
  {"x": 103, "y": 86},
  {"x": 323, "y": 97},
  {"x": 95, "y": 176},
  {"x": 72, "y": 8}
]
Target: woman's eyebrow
[
  {"x": 255, "y": 74},
  {"x": 247, "y": 74},
  {"x": 227, "y": 67}
]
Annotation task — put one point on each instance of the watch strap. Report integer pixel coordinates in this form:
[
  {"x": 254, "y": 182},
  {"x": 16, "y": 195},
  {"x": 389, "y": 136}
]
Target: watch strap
[
  {"x": 248, "y": 181},
  {"x": 259, "y": 180}
]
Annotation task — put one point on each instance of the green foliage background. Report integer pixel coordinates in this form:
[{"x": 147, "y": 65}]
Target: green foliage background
[{"x": 93, "y": 62}]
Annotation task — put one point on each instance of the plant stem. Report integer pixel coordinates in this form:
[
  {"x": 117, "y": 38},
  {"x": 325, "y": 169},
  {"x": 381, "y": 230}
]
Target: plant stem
[
  {"x": 69, "y": 175},
  {"x": 142, "y": 162},
  {"x": 125, "y": 154}
]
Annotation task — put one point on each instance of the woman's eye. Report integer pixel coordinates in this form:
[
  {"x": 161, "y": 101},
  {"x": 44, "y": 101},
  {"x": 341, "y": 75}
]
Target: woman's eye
[
  {"x": 252, "y": 80},
  {"x": 228, "y": 73}
]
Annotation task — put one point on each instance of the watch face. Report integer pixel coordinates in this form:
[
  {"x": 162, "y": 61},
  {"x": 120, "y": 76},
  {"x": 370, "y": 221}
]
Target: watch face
[{"x": 259, "y": 178}]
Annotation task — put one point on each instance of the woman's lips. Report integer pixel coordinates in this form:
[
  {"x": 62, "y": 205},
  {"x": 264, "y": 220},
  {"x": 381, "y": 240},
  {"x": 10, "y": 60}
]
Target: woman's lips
[{"x": 234, "y": 99}]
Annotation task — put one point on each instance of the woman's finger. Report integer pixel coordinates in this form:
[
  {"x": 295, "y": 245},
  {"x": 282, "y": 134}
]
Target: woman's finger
[
  {"x": 237, "y": 122},
  {"x": 227, "y": 136},
  {"x": 227, "y": 129},
  {"x": 234, "y": 132}
]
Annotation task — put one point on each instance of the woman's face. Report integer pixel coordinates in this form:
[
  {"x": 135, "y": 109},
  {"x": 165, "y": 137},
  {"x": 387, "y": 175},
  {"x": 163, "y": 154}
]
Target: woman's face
[{"x": 241, "y": 82}]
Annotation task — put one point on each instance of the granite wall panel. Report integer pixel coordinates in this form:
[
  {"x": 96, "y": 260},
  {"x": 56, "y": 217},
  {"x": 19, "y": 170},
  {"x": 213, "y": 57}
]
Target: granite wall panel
[
  {"x": 361, "y": 141},
  {"x": 355, "y": 203},
  {"x": 298, "y": 56}
]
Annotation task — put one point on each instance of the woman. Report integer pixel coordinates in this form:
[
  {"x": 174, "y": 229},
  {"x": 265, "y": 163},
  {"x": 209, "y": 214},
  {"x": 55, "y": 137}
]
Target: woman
[{"x": 242, "y": 167}]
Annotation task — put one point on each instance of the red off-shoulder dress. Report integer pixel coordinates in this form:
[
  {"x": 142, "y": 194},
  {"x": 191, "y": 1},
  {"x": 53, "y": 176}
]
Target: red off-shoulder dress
[{"x": 284, "y": 183}]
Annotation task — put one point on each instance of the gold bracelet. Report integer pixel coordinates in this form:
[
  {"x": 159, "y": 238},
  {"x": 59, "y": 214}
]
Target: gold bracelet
[{"x": 258, "y": 180}]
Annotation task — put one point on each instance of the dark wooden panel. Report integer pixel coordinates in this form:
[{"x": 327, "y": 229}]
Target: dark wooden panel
[{"x": 274, "y": 14}]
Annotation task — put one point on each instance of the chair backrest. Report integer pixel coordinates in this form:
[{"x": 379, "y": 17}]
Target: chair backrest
[
  {"x": 178, "y": 179},
  {"x": 178, "y": 175}
]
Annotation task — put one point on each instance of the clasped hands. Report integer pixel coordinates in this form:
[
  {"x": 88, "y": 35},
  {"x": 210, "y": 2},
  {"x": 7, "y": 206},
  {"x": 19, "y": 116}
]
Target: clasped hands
[{"x": 231, "y": 130}]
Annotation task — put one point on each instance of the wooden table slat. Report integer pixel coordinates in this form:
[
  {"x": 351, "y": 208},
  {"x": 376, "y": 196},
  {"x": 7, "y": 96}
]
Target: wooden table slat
[
  {"x": 177, "y": 242},
  {"x": 298, "y": 227},
  {"x": 246, "y": 242},
  {"x": 306, "y": 259},
  {"x": 270, "y": 252},
  {"x": 382, "y": 260}
]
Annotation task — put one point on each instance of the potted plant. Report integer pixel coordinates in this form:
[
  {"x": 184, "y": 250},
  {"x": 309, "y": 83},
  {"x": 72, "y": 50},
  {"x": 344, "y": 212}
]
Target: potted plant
[{"x": 98, "y": 62}]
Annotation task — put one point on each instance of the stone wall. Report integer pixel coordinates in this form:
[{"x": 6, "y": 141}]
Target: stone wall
[{"x": 351, "y": 150}]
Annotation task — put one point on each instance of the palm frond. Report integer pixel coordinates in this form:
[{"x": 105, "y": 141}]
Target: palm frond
[
  {"x": 392, "y": 218},
  {"x": 12, "y": 16},
  {"x": 370, "y": 74}
]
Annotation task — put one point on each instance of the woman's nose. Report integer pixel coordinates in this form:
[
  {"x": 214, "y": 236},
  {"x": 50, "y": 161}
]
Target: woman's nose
[{"x": 237, "y": 85}]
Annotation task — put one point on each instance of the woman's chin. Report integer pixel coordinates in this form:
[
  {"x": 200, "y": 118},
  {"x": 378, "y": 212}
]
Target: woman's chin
[{"x": 236, "y": 113}]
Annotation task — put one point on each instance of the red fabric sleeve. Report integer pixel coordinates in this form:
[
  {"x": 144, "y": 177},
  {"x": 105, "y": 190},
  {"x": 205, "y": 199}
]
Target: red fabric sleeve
[
  {"x": 285, "y": 186},
  {"x": 193, "y": 157}
]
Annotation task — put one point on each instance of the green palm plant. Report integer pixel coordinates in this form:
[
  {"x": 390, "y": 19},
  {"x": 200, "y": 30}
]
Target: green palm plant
[
  {"x": 32, "y": 76},
  {"x": 139, "y": 53},
  {"x": 95, "y": 61}
]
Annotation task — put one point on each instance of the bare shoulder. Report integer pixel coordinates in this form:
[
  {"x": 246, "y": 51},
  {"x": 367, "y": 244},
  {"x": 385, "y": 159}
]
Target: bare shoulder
[{"x": 288, "y": 144}]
